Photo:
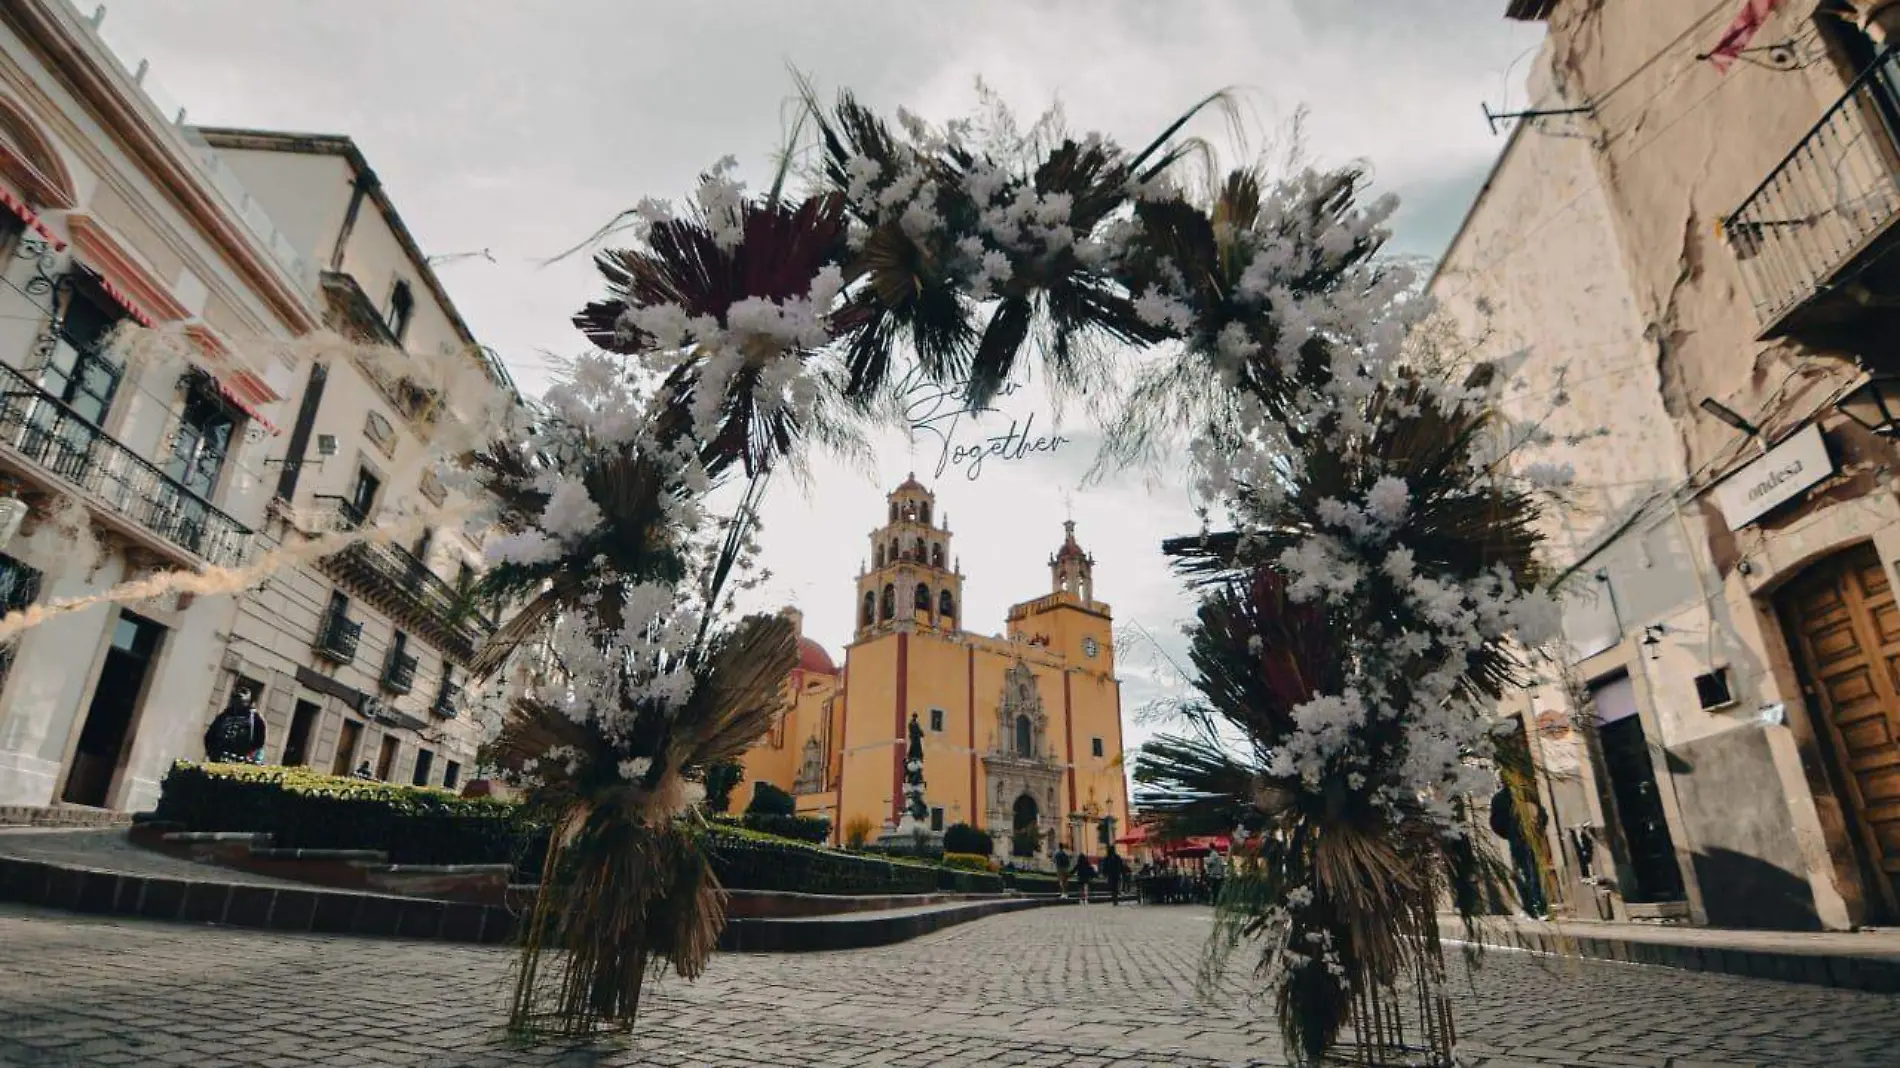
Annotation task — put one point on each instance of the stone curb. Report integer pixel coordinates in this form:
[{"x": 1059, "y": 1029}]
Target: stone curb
[
  {"x": 320, "y": 910},
  {"x": 71, "y": 817},
  {"x": 315, "y": 910},
  {"x": 1869, "y": 974}
]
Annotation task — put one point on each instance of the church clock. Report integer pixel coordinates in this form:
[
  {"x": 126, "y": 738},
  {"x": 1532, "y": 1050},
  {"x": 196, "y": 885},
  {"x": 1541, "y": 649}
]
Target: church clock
[{"x": 1089, "y": 648}]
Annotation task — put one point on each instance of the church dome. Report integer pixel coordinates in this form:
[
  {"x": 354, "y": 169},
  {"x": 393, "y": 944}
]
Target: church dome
[
  {"x": 910, "y": 485},
  {"x": 813, "y": 659}
]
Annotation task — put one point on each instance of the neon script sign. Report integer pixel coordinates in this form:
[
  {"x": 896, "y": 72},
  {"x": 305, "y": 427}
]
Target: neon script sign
[{"x": 940, "y": 410}]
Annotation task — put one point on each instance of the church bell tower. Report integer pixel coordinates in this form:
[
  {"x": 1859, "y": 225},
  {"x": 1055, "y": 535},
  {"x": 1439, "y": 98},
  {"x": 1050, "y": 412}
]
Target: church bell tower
[{"x": 912, "y": 580}]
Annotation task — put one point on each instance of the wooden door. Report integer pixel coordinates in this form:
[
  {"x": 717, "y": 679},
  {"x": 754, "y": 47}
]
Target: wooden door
[{"x": 1842, "y": 619}]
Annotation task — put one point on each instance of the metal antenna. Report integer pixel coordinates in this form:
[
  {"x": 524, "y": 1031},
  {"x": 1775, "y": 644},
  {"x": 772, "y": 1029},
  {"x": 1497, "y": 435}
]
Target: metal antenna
[{"x": 1492, "y": 118}]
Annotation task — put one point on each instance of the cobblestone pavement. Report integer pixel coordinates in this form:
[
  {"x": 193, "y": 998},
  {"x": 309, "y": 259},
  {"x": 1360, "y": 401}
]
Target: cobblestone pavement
[{"x": 1069, "y": 986}]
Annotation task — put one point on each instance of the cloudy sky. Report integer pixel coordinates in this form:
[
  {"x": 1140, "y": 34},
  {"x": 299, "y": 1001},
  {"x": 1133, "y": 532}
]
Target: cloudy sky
[{"x": 518, "y": 129}]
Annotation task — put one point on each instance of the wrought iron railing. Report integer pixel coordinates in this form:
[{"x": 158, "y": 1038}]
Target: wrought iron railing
[
  {"x": 399, "y": 672},
  {"x": 403, "y": 584},
  {"x": 1828, "y": 199},
  {"x": 338, "y": 637},
  {"x": 36, "y": 425}
]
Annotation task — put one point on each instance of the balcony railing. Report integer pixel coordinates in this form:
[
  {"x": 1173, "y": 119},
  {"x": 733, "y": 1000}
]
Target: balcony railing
[
  {"x": 393, "y": 578},
  {"x": 446, "y": 699},
  {"x": 337, "y": 637},
  {"x": 1822, "y": 209},
  {"x": 399, "y": 673},
  {"x": 35, "y": 425}
]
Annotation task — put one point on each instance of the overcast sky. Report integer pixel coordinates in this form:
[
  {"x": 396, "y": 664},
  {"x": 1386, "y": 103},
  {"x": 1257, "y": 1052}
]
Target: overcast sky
[{"x": 519, "y": 128}]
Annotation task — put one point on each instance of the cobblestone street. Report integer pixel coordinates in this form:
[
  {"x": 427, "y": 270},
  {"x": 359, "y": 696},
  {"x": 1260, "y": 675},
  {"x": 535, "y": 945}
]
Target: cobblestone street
[{"x": 1055, "y": 986}]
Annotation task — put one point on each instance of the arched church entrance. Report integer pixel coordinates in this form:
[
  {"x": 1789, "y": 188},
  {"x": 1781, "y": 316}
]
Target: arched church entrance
[
  {"x": 1025, "y": 830},
  {"x": 1843, "y": 627}
]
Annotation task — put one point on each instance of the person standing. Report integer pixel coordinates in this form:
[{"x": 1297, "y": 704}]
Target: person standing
[
  {"x": 1506, "y": 825},
  {"x": 1114, "y": 869},
  {"x": 1084, "y": 875},
  {"x": 1216, "y": 875},
  {"x": 1063, "y": 860},
  {"x": 237, "y": 733}
]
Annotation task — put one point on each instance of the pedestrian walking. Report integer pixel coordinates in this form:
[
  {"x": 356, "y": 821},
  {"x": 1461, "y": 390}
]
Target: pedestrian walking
[
  {"x": 1063, "y": 861},
  {"x": 1084, "y": 875},
  {"x": 363, "y": 772},
  {"x": 1114, "y": 870}
]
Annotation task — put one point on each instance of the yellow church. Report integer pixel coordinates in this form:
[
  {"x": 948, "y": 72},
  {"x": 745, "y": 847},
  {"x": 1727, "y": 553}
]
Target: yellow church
[{"x": 1022, "y": 732}]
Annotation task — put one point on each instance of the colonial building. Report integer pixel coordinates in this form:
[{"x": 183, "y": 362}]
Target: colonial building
[
  {"x": 1022, "y": 732},
  {"x": 237, "y": 247},
  {"x": 1682, "y": 264},
  {"x": 114, "y": 211},
  {"x": 359, "y": 656}
]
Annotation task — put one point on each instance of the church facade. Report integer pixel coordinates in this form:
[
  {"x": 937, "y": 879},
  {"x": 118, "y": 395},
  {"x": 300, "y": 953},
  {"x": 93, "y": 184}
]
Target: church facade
[{"x": 1022, "y": 731}]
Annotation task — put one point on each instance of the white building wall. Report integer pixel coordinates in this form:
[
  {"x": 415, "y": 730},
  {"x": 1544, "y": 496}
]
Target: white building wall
[{"x": 56, "y": 666}]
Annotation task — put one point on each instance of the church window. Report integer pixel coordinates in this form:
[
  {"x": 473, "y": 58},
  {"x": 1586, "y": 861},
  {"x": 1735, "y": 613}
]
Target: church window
[
  {"x": 880, "y": 554},
  {"x": 893, "y": 511},
  {"x": 870, "y": 609},
  {"x": 936, "y": 720},
  {"x": 923, "y": 513},
  {"x": 923, "y": 598},
  {"x": 936, "y": 555},
  {"x": 890, "y": 600},
  {"x": 1024, "y": 740},
  {"x": 895, "y": 555},
  {"x": 946, "y": 605},
  {"x": 1095, "y": 746}
]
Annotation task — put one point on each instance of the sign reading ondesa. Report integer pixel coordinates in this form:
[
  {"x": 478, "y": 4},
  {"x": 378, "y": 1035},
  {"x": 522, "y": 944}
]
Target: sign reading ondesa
[
  {"x": 939, "y": 409},
  {"x": 1774, "y": 479}
]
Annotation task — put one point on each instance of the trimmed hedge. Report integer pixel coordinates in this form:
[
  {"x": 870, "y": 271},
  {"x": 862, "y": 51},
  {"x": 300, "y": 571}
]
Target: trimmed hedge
[
  {"x": 966, "y": 862},
  {"x": 1026, "y": 882},
  {"x": 301, "y": 809},
  {"x": 814, "y": 829},
  {"x": 744, "y": 863},
  {"x": 955, "y": 881}
]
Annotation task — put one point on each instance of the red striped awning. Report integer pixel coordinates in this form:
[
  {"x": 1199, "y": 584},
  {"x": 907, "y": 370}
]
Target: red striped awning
[
  {"x": 139, "y": 315},
  {"x": 240, "y": 388},
  {"x": 30, "y": 217}
]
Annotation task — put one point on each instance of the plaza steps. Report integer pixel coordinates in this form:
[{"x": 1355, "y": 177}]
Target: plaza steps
[
  {"x": 1851, "y": 960},
  {"x": 105, "y": 872}
]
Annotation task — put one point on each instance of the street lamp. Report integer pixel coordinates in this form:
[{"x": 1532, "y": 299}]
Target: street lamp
[
  {"x": 1730, "y": 416},
  {"x": 1874, "y": 404}
]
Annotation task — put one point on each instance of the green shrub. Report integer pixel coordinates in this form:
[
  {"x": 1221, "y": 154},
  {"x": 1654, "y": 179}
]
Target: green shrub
[
  {"x": 815, "y": 829},
  {"x": 721, "y": 780},
  {"x": 963, "y": 838},
  {"x": 966, "y": 861},
  {"x": 769, "y": 800}
]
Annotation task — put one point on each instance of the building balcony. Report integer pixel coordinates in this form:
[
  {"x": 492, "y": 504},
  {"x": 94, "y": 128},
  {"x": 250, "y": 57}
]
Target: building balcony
[
  {"x": 1813, "y": 238},
  {"x": 399, "y": 673},
  {"x": 446, "y": 699},
  {"x": 51, "y": 445},
  {"x": 391, "y": 578},
  {"x": 337, "y": 638}
]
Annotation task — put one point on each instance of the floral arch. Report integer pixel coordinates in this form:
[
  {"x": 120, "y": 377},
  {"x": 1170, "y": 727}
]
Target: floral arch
[{"x": 1368, "y": 579}]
